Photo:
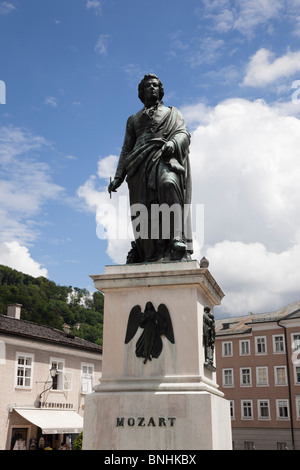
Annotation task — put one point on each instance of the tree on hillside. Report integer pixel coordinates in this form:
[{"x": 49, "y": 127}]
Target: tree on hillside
[{"x": 47, "y": 303}]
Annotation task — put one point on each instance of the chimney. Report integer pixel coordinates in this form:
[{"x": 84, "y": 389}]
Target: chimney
[{"x": 14, "y": 311}]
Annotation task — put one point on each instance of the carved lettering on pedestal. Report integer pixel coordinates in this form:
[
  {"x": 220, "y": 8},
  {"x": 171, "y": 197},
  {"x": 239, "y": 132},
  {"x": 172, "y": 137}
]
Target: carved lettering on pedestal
[{"x": 146, "y": 422}]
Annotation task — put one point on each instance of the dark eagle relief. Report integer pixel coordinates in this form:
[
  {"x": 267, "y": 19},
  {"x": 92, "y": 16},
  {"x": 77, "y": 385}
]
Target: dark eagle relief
[{"x": 155, "y": 324}]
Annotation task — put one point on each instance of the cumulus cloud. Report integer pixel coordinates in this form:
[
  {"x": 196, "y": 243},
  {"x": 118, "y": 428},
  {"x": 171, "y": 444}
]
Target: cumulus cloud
[
  {"x": 245, "y": 167},
  {"x": 254, "y": 13},
  {"x": 244, "y": 17},
  {"x": 264, "y": 68},
  {"x": 107, "y": 166},
  {"x": 25, "y": 186},
  {"x": 253, "y": 277},
  {"x": 245, "y": 153},
  {"x": 242, "y": 156},
  {"x": 25, "y": 182},
  {"x": 6, "y": 8},
  {"x": 94, "y": 5},
  {"x": 16, "y": 256},
  {"x": 15, "y": 141},
  {"x": 111, "y": 215}
]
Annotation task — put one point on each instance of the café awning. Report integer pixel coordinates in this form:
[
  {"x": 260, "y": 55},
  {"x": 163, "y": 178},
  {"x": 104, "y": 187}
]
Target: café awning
[{"x": 53, "y": 421}]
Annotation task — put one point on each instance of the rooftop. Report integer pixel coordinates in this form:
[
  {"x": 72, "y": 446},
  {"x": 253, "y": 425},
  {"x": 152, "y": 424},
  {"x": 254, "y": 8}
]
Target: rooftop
[
  {"x": 242, "y": 324},
  {"x": 26, "y": 329}
]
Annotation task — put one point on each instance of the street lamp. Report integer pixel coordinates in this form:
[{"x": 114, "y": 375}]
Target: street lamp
[{"x": 53, "y": 373}]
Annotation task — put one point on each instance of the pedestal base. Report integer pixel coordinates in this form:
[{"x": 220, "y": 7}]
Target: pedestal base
[
  {"x": 172, "y": 401},
  {"x": 157, "y": 421}
]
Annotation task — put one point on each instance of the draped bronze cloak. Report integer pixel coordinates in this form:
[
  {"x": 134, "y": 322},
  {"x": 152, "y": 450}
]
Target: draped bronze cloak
[{"x": 141, "y": 161}]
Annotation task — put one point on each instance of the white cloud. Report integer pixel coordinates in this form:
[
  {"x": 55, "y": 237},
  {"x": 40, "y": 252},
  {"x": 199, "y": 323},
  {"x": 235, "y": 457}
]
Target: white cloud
[
  {"x": 134, "y": 72},
  {"x": 253, "y": 277},
  {"x": 6, "y": 7},
  {"x": 224, "y": 21},
  {"x": 102, "y": 44},
  {"x": 207, "y": 52},
  {"x": 14, "y": 141},
  {"x": 26, "y": 187},
  {"x": 16, "y": 256},
  {"x": 95, "y": 6},
  {"x": 51, "y": 101},
  {"x": 25, "y": 184},
  {"x": 194, "y": 49},
  {"x": 111, "y": 214},
  {"x": 107, "y": 166},
  {"x": 245, "y": 169},
  {"x": 264, "y": 69},
  {"x": 245, "y": 153},
  {"x": 252, "y": 13},
  {"x": 71, "y": 157},
  {"x": 196, "y": 114},
  {"x": 242, "y": 16}
]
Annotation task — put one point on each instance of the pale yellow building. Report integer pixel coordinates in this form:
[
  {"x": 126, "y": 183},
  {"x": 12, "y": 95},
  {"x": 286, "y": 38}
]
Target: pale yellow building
[{"x": 36, "y": 408}]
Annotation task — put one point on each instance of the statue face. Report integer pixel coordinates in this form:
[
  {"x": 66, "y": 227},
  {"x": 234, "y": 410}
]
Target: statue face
[{"x": 151, "y": 91}]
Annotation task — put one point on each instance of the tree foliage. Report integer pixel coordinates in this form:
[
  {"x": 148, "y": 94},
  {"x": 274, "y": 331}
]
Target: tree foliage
[
  {"x": 77, "y": 445},
  {"x": 47, "y": 303}
]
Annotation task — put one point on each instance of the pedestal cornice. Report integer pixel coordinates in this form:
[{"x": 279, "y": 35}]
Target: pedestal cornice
[{"x": 184, "y": 273}]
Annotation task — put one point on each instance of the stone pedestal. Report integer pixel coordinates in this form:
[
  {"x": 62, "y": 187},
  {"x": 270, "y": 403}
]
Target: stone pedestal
[{"x": 171, "y": 402}]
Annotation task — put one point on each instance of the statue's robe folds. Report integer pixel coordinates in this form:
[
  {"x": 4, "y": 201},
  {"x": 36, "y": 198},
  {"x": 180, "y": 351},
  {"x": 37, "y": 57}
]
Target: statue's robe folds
[{"x": 153, "y": 180}]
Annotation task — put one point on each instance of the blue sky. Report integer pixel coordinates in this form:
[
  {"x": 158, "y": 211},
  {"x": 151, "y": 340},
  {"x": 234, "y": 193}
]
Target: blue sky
[{"x": 71, "y": 70}]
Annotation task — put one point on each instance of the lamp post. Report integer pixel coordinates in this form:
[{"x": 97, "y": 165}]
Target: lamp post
[{"x": 53, "y": 373}]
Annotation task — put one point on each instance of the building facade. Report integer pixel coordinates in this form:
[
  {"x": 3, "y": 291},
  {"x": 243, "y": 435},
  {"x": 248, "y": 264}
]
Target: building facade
[
  {"x": 45, "y": 376},
  {"x": 258, "y": 370}
]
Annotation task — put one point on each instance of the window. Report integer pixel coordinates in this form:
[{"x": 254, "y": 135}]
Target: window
[
  {"x": 260, "y": 345},
  {"x": 2, "y": 352},
  {"x": 245, "y": 377},
  {"x": 295, "y": 341},
  {"x": 87, "y": 373},
  {"x": 280, "y": 375},
  {"x": 249, "y": 445},
  {"x": 24, "y": 370},
  {"x": 298, "y": 407},
  {"x": 247, "y": 409},
  {"x": 244, "y": 347},
  {"x": 278, "y": 344},
  {"x": 68, "y": 381},
  {"x": 297, "y": 374},
  {"x": 227, "y": 348},
  {"x": 232, "y": 413},
  {"x": 282, "y": 446},
  {"x": 62, "y": 380},
  {"x": 262, "y": 376},
  {"x": 263, "y": 409},
  {"x": 227, "y": 377},
  {"x": 282, "y": 409},
  {"x": 19, "y": 438}
]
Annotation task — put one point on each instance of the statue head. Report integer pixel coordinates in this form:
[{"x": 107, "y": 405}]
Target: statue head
[
  {"x": 149, "y": 76},
  {"x": 149, "y": 306}
]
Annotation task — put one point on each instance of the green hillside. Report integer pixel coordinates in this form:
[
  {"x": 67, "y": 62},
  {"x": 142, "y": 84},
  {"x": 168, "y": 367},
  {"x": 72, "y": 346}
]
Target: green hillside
[{"x": 47, "y": 303}]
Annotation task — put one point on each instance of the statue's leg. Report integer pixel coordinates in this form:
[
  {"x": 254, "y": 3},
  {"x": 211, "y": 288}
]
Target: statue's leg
[
  {"x": 170, "y": 193},
  {"x": 149, "y": 248}
]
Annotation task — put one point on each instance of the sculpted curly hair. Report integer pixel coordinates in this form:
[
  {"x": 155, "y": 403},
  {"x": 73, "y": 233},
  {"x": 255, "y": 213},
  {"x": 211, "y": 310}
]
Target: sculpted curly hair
[{"x": 148, "y": 76}]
